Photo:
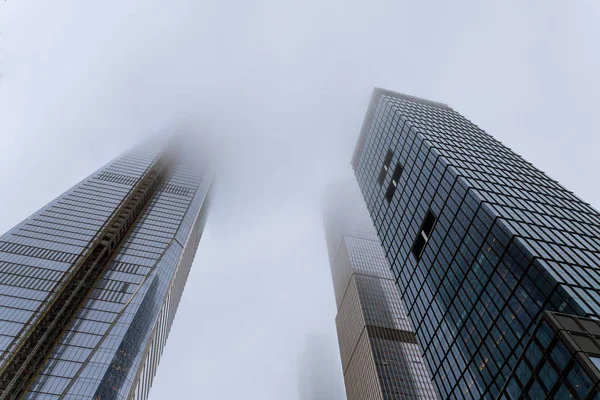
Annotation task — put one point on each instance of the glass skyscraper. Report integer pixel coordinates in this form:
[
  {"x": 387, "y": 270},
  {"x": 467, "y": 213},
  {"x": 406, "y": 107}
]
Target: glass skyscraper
[
  {"x": 89, "y": 284},
  {"x": 381, "y": 359},
  {"x": 482, "y": 244}
]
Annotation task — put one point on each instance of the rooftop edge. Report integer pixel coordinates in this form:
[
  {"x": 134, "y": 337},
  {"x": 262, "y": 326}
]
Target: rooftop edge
[{"x": 377, "y": 93}]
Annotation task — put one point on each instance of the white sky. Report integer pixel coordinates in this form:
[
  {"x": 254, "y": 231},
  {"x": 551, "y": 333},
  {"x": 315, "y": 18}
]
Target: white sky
[{"x": 283, "y": 87}]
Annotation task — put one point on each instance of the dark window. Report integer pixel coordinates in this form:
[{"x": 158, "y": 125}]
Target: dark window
[
  {"x": 389, "y": 194},
  {"x": 397, "y": 173},
  {"x": 536, "y": 392},
  {"x": 579, "y": 381},
  {"x": 424, "y": 234},
  {"x": 385, "y": 167}
]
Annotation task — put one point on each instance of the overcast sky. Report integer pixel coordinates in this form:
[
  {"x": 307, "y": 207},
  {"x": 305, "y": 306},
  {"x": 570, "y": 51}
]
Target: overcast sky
[{"x": 283, "y": 87}]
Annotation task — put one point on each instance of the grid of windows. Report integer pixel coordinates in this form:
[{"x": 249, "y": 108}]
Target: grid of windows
[
  {"x": 508, "y": 243},
  {"x": 118, "y": 178},
  {"x": 380, "y": 356},
  {"x": 560, "y": 361},
  {"x": 175, "y": 189},
  {"x": 37, "y": 252},
  {"x": 131, "y": 307}
]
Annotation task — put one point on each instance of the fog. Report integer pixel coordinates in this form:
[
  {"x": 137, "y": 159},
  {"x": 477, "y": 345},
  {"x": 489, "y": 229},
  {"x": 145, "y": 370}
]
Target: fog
[
  {"x": 317, "y": 380},
  {"x": 281, "y": 88}
]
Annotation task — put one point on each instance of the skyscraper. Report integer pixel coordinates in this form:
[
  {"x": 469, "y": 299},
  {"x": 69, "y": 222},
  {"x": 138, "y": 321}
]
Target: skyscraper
[
  {"x": 381, "y": 359},
  {"x": 89, "y": 284},
  {"x": 481, "y": 244}
]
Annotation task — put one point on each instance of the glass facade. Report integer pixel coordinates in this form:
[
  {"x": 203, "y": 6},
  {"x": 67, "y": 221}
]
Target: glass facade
[
  {"x": 561, "y": 360},
  {"x": 380, "y": 356},
  {"x": 111, "y": 348},
  {"x": 479, "y": 240}
]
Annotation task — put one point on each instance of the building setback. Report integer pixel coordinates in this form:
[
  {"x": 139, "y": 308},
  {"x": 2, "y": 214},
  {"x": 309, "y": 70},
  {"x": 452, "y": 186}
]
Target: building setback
[
  {"x": 89, "y": 284},
  {"x": 381, "y": 359},
  {"x": 481, "y": 244}
]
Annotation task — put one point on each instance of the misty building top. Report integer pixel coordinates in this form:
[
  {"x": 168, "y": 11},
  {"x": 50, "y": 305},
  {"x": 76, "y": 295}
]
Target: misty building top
[
  {"x": 345, "y": 214},
  {"x": 378, "y": 93}
]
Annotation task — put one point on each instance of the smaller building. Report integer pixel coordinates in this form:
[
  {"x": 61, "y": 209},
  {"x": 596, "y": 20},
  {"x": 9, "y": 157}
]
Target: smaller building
[{"x": 381, "y": 358}]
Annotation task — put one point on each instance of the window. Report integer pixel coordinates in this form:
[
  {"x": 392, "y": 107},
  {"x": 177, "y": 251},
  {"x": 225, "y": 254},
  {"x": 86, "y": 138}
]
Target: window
[
  {"x": 385, "y": 167},
  {"x": 579, "y": 381},
  {"x": 424, "y": 234},
  {"x": 389, "y": 194},
  {"x": 397, "y": 173}
]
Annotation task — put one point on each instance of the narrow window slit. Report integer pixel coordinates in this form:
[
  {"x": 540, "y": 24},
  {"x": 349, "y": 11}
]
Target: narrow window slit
[
  {"x": 391, "y": 190},
  {"x": 423, "y": 235},
  {"x": 385, "y": 167}
]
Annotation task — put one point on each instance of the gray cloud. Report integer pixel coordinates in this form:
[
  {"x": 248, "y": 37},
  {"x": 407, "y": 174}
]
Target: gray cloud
[{"x": 282, "y": 88}]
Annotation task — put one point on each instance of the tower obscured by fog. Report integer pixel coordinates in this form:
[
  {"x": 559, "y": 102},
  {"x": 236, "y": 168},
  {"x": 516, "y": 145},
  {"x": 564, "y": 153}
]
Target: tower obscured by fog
[
  {"x": 91, "y": 282},
  {"x": 380, "y": 355},
  {"x": 490, "y": 254}
]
